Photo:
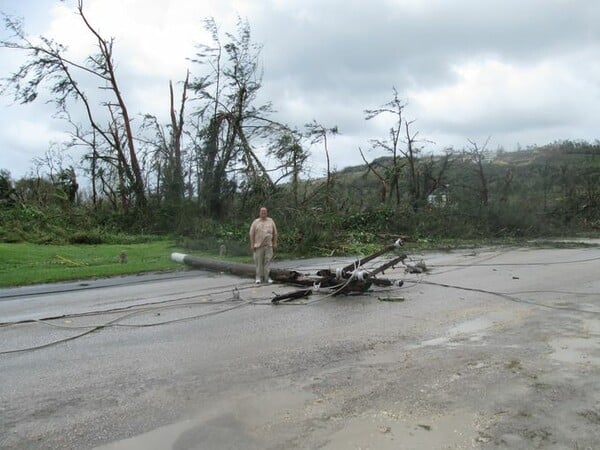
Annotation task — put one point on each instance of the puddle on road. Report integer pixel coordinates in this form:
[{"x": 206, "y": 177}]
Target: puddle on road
[
  {"x": 385, "y": 431},
  {"x": 581, "y": 349},
  {"x": 226, "y": 425},
  {"x": 471, "y": 328},
  {"x": 576, "y": 350},
  {"x": 161, "y": 438}
]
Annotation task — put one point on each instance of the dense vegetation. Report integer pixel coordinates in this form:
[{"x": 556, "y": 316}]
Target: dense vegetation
[
  {"x": 546, "y": 191},
  {"x": 201, "y": 177}
]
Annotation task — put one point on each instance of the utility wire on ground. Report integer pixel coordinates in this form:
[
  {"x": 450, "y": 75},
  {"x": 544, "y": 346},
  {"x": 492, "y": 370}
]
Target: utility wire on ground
[{"x": 143, "y": 308}]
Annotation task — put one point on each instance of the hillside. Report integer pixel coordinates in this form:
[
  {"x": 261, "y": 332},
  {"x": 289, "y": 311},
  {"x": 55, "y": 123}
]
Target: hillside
[{"x": 539, "y": 190}]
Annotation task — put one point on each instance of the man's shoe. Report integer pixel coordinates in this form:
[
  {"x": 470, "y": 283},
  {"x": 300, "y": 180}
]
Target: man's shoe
[{"x": 257, "y": 281}]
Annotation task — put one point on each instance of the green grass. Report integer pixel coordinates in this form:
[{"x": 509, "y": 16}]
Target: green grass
[{"x": 23, "y": 264}]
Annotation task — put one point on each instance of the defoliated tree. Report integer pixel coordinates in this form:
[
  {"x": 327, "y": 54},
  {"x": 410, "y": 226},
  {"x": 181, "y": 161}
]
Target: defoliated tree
[
  {"x": 229, "y": 92},
  {"x": 318, "y": 133},
  {"x": 48, "y": 64},
  {"x": 288, "y": 150},
  {"x": 432, "y": 172},
  {"x": 478, "y": 155},
  {"x": 392, "y": 144},
  {"x": 383, "y": 184},
  {"x": 165, "y": 150},
  {"x": 175, "y": 178}
]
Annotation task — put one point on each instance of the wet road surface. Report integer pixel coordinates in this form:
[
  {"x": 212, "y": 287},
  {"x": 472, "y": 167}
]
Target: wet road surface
[{"x": 494, "y": 348}]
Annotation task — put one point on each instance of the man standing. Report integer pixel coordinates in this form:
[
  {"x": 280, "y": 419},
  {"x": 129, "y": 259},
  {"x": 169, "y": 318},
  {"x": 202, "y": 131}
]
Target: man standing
[{"x": 263, "y": 241}]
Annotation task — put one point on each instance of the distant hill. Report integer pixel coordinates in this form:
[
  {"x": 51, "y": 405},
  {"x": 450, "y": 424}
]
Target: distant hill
[{"x": 551, "y": 187}]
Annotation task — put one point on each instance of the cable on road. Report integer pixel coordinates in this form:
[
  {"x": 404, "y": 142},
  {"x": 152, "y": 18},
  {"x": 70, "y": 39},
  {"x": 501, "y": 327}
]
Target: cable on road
[
  {"x": 552, "y": 263},
  {"x": 207, "y": 292},
  {"x": 141, "y": 308},
  {"x": 511, "y": 297},
  {"x": 113, "y": 323}
]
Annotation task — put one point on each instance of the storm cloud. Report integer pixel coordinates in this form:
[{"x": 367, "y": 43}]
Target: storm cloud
[{"x": 523, "y": 72}]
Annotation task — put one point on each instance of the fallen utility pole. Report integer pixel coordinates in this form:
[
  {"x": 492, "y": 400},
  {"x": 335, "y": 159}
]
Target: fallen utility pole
[
  {"x": 366, "y": 259},
  {"x": 351, "y": 278}
]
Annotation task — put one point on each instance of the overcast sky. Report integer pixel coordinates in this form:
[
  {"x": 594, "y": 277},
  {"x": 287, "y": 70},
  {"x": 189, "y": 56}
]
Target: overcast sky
[{"x": 523, "y": 72}]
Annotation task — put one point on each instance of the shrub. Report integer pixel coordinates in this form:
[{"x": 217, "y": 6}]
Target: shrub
[{"x": 92, "y": 237}]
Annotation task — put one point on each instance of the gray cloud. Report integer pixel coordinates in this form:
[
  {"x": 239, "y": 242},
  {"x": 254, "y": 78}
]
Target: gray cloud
[
  {"x": 522, "y": 71},
  {"x": 348, "y": 56},
  {"x": 420, "y": 45}
]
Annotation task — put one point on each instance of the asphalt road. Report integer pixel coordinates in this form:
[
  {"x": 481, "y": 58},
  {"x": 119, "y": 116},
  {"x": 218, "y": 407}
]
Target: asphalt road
[{"x": 494, "y": 348}]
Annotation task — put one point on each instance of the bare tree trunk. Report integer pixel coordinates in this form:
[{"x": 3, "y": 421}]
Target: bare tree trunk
[
  {"x": 382, "y": 182},
  {"x": 412, "y": 165},
  {"x": 94, "y": 178},
  {"x": 106, "y": 51},
  {"x": 319, "y": 133},
  {"x": 478, "y": 156},
  {"x": 177, "y": 121},
  {"x": 394, "y": 107},
  {"x": 508, "y": 177}
]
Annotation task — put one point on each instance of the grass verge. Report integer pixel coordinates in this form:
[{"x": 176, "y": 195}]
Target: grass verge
[{"x": 24, "y": 264}]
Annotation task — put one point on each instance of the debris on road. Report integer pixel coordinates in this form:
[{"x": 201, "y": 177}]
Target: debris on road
[
  {"x": 390, "y": 299},
  {"x": 302, "y": 293},
  {"x": 349, "y": 279},
  {"x": 418, "y": 267}
]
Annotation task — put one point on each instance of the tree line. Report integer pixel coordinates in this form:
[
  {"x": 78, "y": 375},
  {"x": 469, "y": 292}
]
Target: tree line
[
  {"x": 207, "y": 150},
  {"x": 207, "y": 164}
]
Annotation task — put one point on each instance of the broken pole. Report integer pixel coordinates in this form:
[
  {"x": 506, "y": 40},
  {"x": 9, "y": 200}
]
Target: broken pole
[
  {"x": 351, "y": 278},
  {"x": 241, "y": 269},
  {"x": 366, "y": 259},
  {"x": 388, "y": 264}
]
